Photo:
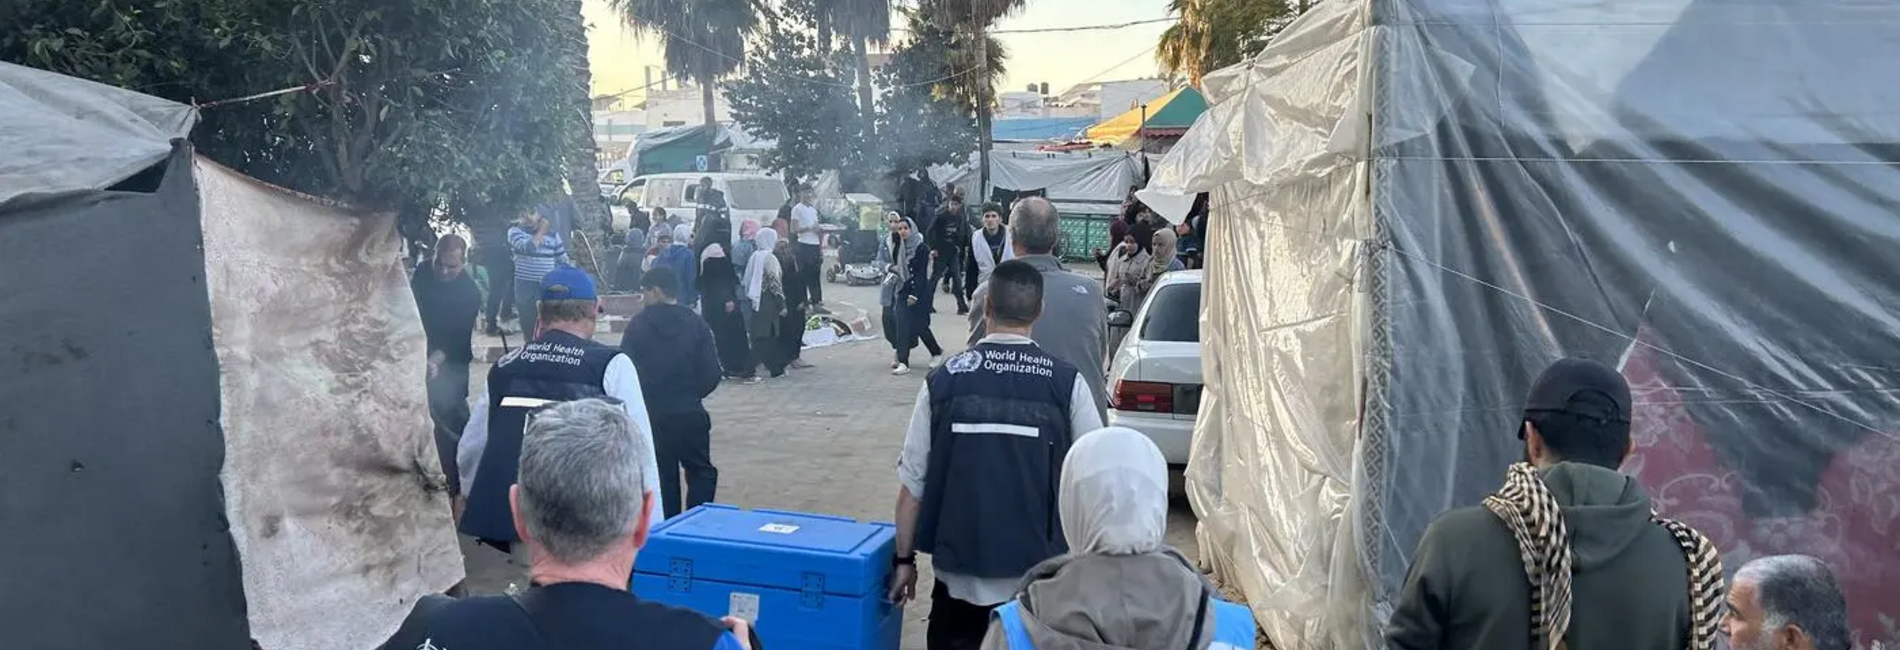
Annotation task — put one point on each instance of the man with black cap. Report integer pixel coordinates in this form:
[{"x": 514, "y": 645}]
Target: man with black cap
[
  {"x": 563, "y": 364},
  {"x": 1569, "y": 551}
]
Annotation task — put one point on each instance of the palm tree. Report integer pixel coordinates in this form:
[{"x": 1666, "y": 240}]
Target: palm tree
[
  {"x": 972, "y": 19},
  {"x": 866, "y": 22},
  {"x": 703, "y": 40},
  {"x": 1214, "y": 34},
  {"x": 581, "y": 177}
]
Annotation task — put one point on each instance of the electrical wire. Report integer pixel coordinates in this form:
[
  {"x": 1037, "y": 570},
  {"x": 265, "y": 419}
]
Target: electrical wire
[
  {"x": 1074, "y": 28},
  {"x": 1118, "y": 66},
  {"x": 728, "y": 57}
]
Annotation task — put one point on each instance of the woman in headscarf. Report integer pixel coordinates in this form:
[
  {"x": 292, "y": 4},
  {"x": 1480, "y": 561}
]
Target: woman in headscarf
[
  {"x": 631, "y": 263},
  {"x": 1141, "y": 277},
  {"x": 742, "y": 250},
  {"x": 719, "y": 296},
  {"x": 765, "y": 289},
  {"x": 1120, "y": 586},
  {"x": 908, "y": 307},
  {"x": 741, "y": 258},
  {"x": 676, "y": 253},
  {"x": 1142, "y": 226},
  {"x": 797, "y": 300}
]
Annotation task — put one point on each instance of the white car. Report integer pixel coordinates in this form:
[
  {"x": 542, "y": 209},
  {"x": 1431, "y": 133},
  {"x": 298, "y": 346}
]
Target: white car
[{"x": 1154, "y": 380}]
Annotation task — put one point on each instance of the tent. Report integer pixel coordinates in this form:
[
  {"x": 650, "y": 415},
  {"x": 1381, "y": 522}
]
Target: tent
[
  {"x": 1169, "y": 116},
  {"x": 677, "y": 149},
  {"x": 216, "y": 428},
  {"x": 1038, "y": 129},
  {"x": 1419, "y": 205}
]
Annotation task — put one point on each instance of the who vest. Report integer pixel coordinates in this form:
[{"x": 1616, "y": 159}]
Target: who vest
[
  {"x": 999, "y": 428},
  {"x": 558, "y": 367}
]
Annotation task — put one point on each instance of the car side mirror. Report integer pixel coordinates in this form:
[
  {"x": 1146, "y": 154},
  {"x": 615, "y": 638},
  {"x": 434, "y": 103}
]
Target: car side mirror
[{"x": 1120, "y": 319}]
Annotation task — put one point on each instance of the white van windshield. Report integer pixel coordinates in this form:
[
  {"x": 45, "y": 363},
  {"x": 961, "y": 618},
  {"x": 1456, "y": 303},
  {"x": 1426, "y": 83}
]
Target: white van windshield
[{"x": 755, "y": 194}]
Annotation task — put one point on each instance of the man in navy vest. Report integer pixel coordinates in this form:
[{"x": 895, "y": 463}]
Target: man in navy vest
[
  {"x": 981, "y": 462},
  {"x": 563, "y": 364},
  {"x": 583, "y": 504}
]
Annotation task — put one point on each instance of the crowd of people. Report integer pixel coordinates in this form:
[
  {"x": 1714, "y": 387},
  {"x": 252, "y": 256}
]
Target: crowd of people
[{"x": 1044, "y": 529}]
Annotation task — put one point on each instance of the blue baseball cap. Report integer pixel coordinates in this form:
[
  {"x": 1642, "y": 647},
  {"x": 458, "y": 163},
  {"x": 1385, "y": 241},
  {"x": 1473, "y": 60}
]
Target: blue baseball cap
[{"x": 568, "y": 283}]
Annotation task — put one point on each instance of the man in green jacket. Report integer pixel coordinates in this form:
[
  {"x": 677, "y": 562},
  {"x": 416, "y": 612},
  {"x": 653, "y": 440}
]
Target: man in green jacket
[{"x": 1608, "y": 573}]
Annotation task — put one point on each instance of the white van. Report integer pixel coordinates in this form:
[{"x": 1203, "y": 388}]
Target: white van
[{"x": 748, "y": 196}]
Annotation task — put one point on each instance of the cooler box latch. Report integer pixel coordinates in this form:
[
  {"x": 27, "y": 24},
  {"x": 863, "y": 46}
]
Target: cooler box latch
[
  {"x": 811, "y": 590},
  {"x": 679, "y": 574}
]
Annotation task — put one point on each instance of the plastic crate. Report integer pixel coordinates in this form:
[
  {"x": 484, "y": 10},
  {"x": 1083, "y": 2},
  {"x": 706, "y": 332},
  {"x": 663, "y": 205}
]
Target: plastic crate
[{"x": 809, "y": 582}]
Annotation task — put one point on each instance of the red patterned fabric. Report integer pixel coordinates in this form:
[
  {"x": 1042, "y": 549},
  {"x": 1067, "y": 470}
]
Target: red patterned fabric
[{"x": 1855, "y": 528}]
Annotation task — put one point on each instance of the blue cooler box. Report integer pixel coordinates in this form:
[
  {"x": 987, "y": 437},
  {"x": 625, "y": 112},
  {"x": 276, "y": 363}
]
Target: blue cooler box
[{"x": 809, "y": 582}]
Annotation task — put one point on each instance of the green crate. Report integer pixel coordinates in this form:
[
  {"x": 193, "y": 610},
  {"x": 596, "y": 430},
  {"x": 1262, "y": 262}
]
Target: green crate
[{"x": 1082, "y": 234}]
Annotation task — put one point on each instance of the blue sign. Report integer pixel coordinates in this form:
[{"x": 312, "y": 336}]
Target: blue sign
[{"x": 699, "y": 163}]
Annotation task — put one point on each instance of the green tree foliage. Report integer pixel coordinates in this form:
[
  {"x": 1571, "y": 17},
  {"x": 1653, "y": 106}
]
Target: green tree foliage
[
  {"x": 1214, "y": 34},
  {"x": 802, "y": 98},
  {"x": 411, "y": 105},
  {"x": 926, "y": 117},
  {"x": 800, "y": 93}
]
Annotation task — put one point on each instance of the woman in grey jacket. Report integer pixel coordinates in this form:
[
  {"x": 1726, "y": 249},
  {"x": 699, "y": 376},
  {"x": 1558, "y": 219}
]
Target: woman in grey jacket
[{"x": 1120, "y": 587}]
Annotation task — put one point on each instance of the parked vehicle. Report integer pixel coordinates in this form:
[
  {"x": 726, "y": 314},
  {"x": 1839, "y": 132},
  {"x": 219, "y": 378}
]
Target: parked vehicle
[
  {"x": 748, "y": 196},
  {"x": 1154, "y": 378}
]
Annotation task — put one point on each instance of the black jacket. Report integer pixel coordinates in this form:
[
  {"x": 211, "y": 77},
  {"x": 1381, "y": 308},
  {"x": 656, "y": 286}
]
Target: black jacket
[
  {"x": 673, "y": 351},
  {"x": 946, "y": 233},
  {"x": 448, "y": 309}
]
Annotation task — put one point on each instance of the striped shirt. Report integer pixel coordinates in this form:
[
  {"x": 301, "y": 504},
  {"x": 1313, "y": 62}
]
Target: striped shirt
[{"x": 534, "y": 262}]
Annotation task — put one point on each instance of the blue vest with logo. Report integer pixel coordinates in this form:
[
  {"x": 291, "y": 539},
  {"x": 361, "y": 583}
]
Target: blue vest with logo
[
  {"x": 1233, "y": 626},
  {"x": 557, "y": 367},
  {"x": 999, "y": 428}
]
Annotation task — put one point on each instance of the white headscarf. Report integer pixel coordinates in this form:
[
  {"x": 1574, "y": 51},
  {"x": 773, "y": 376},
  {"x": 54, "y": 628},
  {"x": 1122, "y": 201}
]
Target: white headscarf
[
  {"x": 1114, "y": 498},
  {"x": 683, "y": 235},
  {"x": 761, "y": 266}
]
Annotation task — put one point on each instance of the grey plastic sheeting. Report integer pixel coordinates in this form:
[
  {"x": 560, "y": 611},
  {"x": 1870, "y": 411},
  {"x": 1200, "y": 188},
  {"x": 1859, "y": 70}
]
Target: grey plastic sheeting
[
  {"x": 61, "y": 134},
  {"x": 110, "y": 503},
  {"x": 1420, "y": 204}
]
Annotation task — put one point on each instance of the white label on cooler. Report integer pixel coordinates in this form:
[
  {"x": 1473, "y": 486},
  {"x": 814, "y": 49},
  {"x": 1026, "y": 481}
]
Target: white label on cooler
[
  {"x": 782, "y": 529},
  {"x": 743, "y": 606}
]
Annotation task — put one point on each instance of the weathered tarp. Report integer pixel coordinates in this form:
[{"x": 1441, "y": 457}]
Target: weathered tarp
[
  {"x": 110, "y": 446},
  {"x": 216, "y": 426},
  {"x": 1097, "y": 176},
  {"x": 335, "y": 497},
  {"x": 61, "y": 135},
  {"x": 1418, "y": 205}
]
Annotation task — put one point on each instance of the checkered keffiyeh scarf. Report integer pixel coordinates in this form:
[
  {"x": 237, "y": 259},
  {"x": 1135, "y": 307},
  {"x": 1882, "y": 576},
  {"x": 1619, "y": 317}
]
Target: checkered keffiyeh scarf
[{"x": 1543, "y": 540}]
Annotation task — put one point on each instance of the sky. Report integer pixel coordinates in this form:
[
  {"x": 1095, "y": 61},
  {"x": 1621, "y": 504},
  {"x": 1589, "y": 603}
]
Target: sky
[{"x": 618, "y": 57}]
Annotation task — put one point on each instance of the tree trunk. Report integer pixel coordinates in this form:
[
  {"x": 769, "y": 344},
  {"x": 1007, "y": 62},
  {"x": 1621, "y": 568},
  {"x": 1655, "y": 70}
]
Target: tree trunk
[
  {"x": 590, "y": 214},
  {"x": 984, "y": 88},
  {"x": 712, "y": 121},
  {"x": 867, "y": 109},
  {"x": 983, "y": 149},
  {"x": 824, "y": 30}
]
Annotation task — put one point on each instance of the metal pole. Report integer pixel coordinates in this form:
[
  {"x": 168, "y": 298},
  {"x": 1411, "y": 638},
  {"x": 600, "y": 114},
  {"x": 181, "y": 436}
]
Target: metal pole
[{"x": 1142, "y": 127}]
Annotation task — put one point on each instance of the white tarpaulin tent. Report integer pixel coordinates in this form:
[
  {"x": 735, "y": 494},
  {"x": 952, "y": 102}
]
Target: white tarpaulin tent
[
  {"x": 1086, "y": 182},
  {"x": 1418, "y": 205}
]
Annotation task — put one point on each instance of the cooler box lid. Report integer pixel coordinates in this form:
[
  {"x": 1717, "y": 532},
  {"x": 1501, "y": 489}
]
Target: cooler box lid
[{"x": 771, "y": 548}]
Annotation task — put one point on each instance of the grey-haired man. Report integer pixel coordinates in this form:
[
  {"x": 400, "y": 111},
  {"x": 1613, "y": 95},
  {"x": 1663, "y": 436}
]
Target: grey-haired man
[
  {"x": 582, "y": 505},
  {"x": 1074, "y": 322},
  {"x": 1786, "y": 602}
]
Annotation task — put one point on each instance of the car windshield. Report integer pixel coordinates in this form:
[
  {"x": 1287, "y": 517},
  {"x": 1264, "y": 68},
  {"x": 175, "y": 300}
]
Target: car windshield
[
  {"x": 1174, "y": 314},
  {"x": 755, "y": 194}
]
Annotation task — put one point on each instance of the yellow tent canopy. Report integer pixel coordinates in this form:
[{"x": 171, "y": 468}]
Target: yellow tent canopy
[{"x": 1171, "y": 114}]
